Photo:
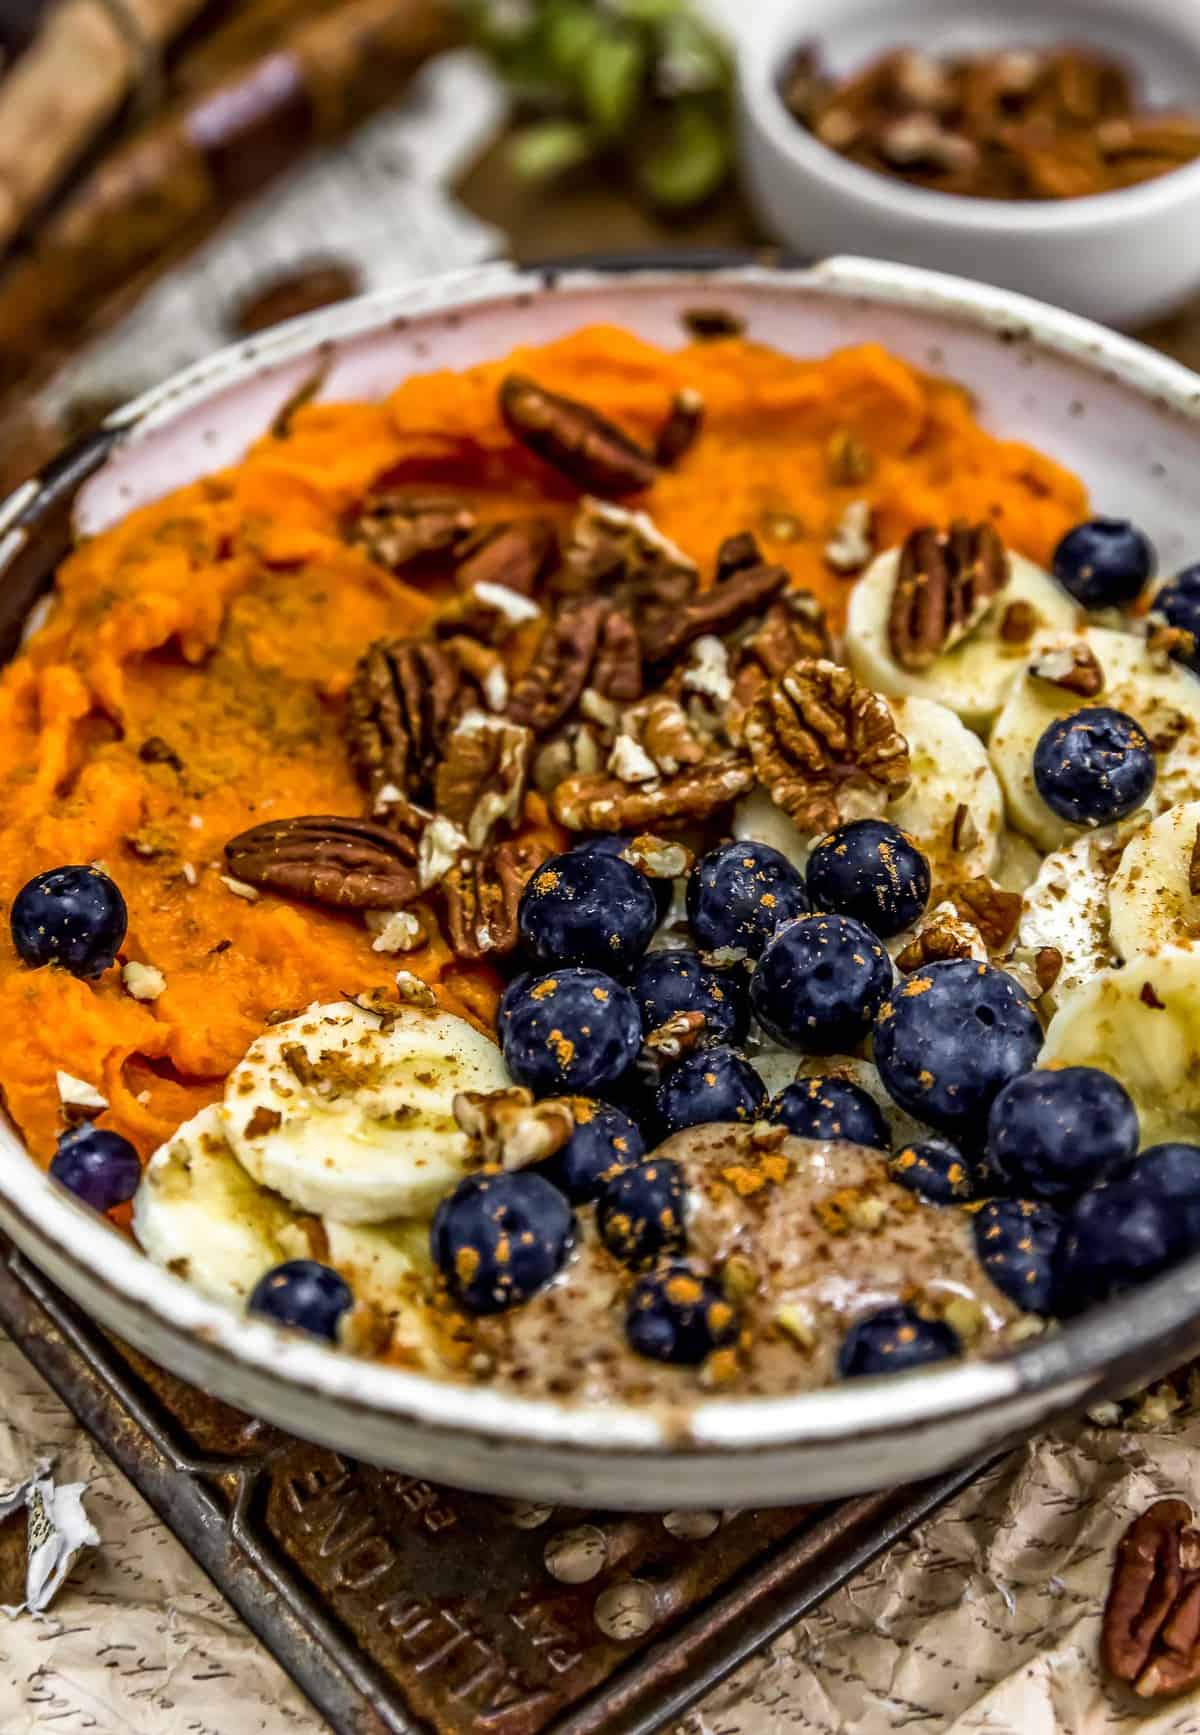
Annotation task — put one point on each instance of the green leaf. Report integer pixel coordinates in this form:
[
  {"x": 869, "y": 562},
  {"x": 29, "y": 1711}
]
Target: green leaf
[
  {"x": 571, "y": 33},
  {"x": 691, "y": 60},
  {"x": 646, "y": 11},
  {"x": 688, "y": 161},
  {"x": 551, "y": 148},
  {"x": 611, "y": 81}
]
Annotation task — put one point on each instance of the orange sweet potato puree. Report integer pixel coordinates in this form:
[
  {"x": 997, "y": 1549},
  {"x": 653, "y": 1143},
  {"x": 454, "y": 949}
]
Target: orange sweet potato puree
[{"x": 226, "y": 620}]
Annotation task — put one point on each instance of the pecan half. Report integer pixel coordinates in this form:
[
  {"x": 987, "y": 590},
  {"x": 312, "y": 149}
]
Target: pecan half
[
  {"x": 481, "y": 895},
  {"x": 402, "y": 701},
  {"x": 1150, "y": 1637},
  {"x": 792, "y": 628},
  {"x": 1074, "y": 667},
  {"x": 994, "y": 911},
  {"x": 550, "y": 688},
  {"x": 736, "y": 553},
  {"x": 681, "y": 429},
  {"x": 617, "y": 670},
  {"x": 596, "y": 802},
  {"x": 729, "y": 604},
  {"x": 574, "y": 439},
  {"x": 397, "y": 531},
  {"x": 942, "y": 938},
  {"x": 945, "y": 584},
  {"x": 346, "y": 863},
  {"x": 481, "y": 778},
  {"x": 826, "y": 748},
  {"x": 517, "y": 555}
]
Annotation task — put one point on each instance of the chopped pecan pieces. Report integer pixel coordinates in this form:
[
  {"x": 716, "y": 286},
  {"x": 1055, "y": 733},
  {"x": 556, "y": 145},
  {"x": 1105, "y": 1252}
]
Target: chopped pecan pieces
[
  {"x": 852, "y": 543},
  {"x": 345, "y": 863},
  {"x": 679, "y": 1035},
  {"x": 1150, "y": 1638},
  {"x": 729, "y": 604},
  {"x": 681, "y": 429},
  {"x": 597, "y": 802},
  {"x": 481, "y": 895},
  {"x": 736, "y": 553},
  {"x": 826, "y": 748},
  {"x": 1047, "y": 967},
  {"x": 1074, "y": 667},
  {"x": 848, "y": 460},
  {"x": 398, "y": 531},
  {"x": 940, "y": 939},
  {"x": 1018, "y": 623},
  {"x": 946, "y": 583},
  {"x": 1194, "y": 866},
  {"x": 994, "y": 911},
  {"x": 516, "y": 555},
  {"x": 508, "y": 1127},
  {"x": 481, "y": 779},
  {"x": 658, "y": 858},
  {"x": 402, "y": 702},
  {"x": 622, "y": 555},
  {"x": 617, "y": 671},
  {"x": 792, "y": 628},
  {"x": 574, "y": 439}
]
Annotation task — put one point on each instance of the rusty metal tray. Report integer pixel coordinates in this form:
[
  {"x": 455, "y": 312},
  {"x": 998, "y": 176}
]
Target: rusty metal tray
[{"x": 397, "y": 1606}]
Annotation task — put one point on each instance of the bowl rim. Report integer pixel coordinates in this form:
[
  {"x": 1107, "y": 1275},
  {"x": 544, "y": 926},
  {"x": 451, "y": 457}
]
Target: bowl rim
[
  {"x": 762, "y": 52},
  {"x": 215, "y": 1335}
]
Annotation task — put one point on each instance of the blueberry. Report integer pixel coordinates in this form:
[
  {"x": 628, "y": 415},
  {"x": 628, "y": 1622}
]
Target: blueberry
[
  {"x": 303, "y": 1294},
  {"x": 677, "y": 1315},
  {"x": 872, "y": 871},
  {"x": 1015, "y": 1242},
  {"x": 739, "y": 894},
  {"x": 1052, "y": 1135},
  {"x": 613, "y": 844},
  {"x": 588, "y": 908},
  {"x": 1104, "y": 563},
  {"x": 1113, "y": 1239},
  {"x": 73, "y": 916},
  {"x": 820, "y": 983},
  {"x": 892, "y": 1341},
  {"x": 604, "y": 1140},
  {"x": 951, "y": 1038},
  {"x": 1094, "y": 766},
  {"x": 571, "y": 1031},
  {"x": 98, "y": 1166},
  {"x": 716, "y": 1084},
  {"x": 830, "y": 1108},
  {"x": 512, "y": 997},
  {"x": 1178, "y": 602},
  {"x": 1171, "y": 1172},
  {"x": 640, "y": 1214},
  {"x": 498, "y": 1239},
  {"x": 936, "y": 1172},
  {"x": 680, "y": 981}
]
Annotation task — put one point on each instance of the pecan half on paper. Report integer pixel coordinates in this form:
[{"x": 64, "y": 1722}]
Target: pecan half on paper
[
  {"x": 945, "y": 584},
  {"x": 593, "y": 801},
  {"x": 826, "y": 748},
  {"x": 397, "y": 531},
  {"x": 575, "y": 439},
  {"x": 345, "y": 863},
  {"x": 402, "y": 702},
  {"x": 1150, "y": 1638},
  {"x": 481, "y": 894}
]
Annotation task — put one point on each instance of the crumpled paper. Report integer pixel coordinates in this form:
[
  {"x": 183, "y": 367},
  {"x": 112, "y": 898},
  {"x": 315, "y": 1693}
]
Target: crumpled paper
[{"x": 57, "y": 1532}]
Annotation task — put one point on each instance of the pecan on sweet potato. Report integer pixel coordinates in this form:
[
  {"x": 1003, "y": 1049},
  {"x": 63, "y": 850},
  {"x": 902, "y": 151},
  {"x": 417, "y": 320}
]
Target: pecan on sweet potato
[
  {"x": 481, "y": 894},
  {"x": 574, "y": 439},
  {"x": 550, "y": 688},
  {"x": 594, "y": 801},
  {"x": 516, "y": 554},
  {"x": 399, "y": 531},
  {"x": 403, "y": 699},
  {"x": 480, "y": 782},
  {"x": 329, "y": 859},
  {"x": 729, "y": 604}
]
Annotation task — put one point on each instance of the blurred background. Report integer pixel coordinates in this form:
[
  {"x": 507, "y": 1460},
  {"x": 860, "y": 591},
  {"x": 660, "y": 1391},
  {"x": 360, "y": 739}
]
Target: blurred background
[{"x": 175, "y": 174}]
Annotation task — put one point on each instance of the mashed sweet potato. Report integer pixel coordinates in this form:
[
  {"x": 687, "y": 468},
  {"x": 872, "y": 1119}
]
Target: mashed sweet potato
[{"x": 190, "y": 680}]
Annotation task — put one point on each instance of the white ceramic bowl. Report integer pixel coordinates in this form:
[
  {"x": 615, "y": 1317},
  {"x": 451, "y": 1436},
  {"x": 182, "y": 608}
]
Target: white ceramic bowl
[
  {"x": 1123, "y": 257},
  {"x": 1126, "y": 419}
]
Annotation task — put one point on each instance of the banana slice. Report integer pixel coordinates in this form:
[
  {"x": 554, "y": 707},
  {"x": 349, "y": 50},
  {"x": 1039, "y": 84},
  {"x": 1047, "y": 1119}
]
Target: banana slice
[
  {"x": 1150, "y": 899},
  {"x": 1166, "y": 702},
  {"x": 973, "y": 679},
  {"x": 350, "y": 1115},
  {"x": 1067, "y": 907},
  {"x": 953, "y": 807},
  {"x": 199, "y": 1213},
  {"x": 388, "y": 1265},
  {"x": 756, "y": 819},
  {"x": 1141, "y": 1023},
  {"x": 1017, "y": 862}
]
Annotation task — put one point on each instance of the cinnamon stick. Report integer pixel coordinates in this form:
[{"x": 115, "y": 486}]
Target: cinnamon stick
[
  {"x": 70, "y": 82},
  {"x": 176, "y": 178}
]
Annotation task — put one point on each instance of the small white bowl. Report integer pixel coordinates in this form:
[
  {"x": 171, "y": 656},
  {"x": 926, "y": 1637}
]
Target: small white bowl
[{"x": 1122, "y": 258}]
